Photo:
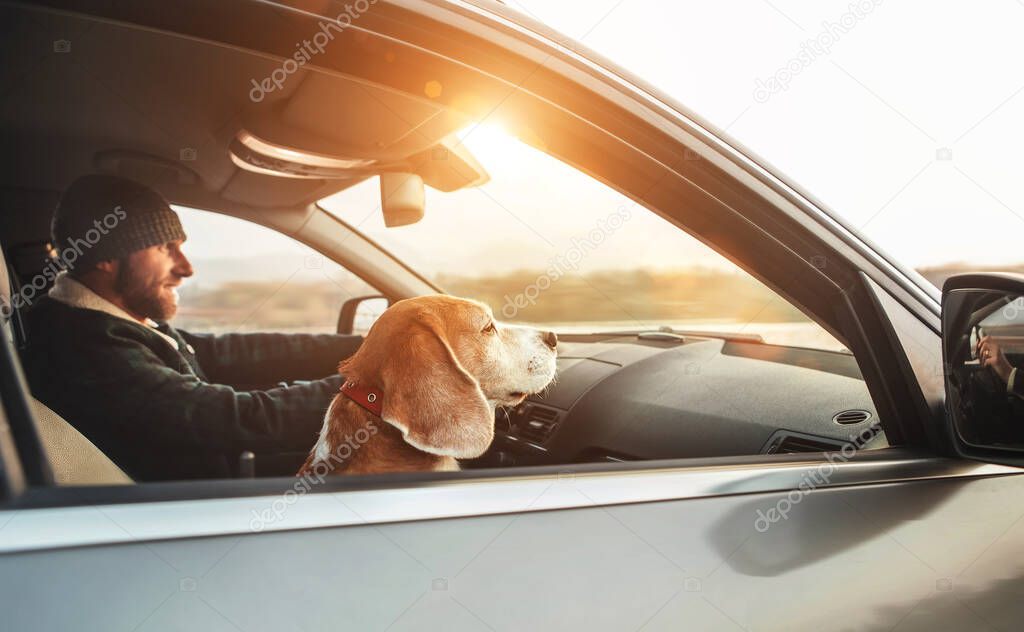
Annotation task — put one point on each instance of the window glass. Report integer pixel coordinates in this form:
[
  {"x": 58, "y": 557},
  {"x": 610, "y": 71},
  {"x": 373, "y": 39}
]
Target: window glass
[{"x": 251, "y": 278}]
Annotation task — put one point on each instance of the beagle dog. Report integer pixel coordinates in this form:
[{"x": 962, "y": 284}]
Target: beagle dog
[{"x": 422, "y": 389}]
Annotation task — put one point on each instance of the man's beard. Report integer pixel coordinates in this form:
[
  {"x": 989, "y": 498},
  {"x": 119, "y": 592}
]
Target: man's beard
[{"x": 144, "y": 299}]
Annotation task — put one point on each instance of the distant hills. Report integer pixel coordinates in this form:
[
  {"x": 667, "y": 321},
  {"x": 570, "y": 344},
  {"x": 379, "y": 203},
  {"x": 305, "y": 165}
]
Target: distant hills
[
  {"x": 214, "y": 271},
  {"x": 287, "y": 295},
  {"x": 294, "y": 292},
  {"x": 939, "y": 274}
]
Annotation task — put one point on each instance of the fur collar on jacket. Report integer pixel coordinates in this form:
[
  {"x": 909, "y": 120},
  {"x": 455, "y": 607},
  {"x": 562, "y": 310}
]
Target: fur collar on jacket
[{"x": 76, "y": 294}]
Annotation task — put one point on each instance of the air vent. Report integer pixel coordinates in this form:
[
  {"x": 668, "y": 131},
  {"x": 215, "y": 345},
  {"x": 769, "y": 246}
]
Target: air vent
[
  {"x": 851, "y": 417},
  {"x": 784, "y": 442},
  {"x": 538, "y": 424}
]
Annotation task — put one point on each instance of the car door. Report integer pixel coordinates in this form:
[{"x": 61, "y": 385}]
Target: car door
[
  {"x": 783, "y": 544},
  {"x": 849, "y": 539}
]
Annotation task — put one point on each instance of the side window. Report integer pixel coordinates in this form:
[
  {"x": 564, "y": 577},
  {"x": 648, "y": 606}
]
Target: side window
[{"x": 250, "y": 278}]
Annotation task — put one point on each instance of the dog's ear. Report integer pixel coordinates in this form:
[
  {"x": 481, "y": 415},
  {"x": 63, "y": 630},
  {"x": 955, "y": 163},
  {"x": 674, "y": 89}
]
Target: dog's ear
[{"x": 431, "y": 398}]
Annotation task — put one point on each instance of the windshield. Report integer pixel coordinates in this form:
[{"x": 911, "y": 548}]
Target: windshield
[{"x": 543, "y": 243}]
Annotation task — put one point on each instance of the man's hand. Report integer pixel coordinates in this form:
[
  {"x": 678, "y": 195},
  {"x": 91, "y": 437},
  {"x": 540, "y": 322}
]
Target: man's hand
[{"x": 990, "y": 354}]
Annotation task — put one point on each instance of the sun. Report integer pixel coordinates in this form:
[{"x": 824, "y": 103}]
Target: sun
[{"x": 495, "y": 147}]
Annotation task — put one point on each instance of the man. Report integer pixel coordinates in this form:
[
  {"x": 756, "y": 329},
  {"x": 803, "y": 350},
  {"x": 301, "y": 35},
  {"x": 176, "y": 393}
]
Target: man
[{"x": 163, "y": 404}]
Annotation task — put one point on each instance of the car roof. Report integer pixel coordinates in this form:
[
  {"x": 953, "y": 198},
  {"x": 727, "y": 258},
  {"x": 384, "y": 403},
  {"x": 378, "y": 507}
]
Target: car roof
[{"x": 164, "y": 109}]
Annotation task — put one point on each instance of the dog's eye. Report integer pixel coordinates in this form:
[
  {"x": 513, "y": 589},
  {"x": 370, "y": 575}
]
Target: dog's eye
[{"x": 490, "y": 328}]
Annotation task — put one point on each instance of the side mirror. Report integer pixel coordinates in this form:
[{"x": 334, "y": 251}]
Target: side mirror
[
  {"x": 983, "y": 360},
  {"x": 358, "y": 314}
]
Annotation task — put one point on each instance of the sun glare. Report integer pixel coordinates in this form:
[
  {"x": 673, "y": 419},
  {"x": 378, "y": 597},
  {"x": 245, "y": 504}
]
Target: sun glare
[{"x": 493, "y": 145}]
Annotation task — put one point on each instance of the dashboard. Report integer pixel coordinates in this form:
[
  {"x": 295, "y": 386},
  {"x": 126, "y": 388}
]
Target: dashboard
[{"x": 654, "y": 395}]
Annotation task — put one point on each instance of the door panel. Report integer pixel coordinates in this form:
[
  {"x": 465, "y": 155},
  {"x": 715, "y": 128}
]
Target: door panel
[{"x": 930, "y": 554}]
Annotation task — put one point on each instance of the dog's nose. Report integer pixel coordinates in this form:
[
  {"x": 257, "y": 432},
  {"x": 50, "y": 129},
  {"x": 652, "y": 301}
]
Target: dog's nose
[{"x": 550, "y": 339}]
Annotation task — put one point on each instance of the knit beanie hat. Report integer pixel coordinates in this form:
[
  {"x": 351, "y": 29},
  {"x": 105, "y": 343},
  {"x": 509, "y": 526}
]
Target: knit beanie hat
[{"x": 102, "y": 217}]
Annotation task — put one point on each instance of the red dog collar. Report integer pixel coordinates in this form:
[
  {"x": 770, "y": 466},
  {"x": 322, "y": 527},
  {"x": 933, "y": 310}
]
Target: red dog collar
[{"x": 368, "y": 398}]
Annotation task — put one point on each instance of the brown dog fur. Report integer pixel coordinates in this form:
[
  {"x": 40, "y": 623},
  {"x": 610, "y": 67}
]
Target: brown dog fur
[{"x": 431, "y": 358}]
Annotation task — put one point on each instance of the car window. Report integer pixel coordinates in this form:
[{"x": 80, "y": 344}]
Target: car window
[
  {"x": 250, "y": 278},
  {"x": 543, "y": 243}
]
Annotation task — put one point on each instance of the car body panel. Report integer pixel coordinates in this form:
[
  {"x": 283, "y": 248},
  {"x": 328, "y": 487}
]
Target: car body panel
[{"x": 863, "y": 556}]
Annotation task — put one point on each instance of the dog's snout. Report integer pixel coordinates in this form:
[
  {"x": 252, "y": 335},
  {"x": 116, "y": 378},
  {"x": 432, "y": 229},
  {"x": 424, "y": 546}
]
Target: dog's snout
[{"x": 549, "y": 338}]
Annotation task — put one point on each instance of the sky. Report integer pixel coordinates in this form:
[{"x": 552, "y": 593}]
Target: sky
[
  {"x": 904, "y": 117},
  {"x": 867, "y": 123}
]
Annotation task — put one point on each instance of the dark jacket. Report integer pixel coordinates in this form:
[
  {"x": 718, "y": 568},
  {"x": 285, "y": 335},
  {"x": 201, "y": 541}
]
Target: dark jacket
[{"x": 163, "y": 414}]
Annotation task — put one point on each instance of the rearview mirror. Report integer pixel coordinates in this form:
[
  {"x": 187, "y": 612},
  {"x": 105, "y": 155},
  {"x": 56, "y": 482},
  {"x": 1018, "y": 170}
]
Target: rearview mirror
[
  {"x": 358, "y": 314},
  {"x": 402, "y": 198},
  {"x": 983, "y": 356}
]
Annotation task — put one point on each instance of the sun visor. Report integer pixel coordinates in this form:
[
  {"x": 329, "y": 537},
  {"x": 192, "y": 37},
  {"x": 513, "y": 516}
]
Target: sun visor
[
  {"x": 335, "y": 116},
  {"x": 338, "y": 129}
]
